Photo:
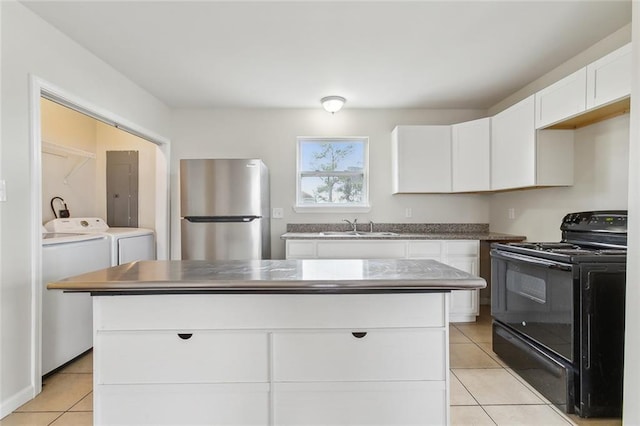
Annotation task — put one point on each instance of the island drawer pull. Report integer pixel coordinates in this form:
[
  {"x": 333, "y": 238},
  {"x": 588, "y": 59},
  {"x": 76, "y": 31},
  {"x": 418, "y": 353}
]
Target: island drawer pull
[
  {"x": 359, "y": 334},
  {"x": 185, "y": 336}
]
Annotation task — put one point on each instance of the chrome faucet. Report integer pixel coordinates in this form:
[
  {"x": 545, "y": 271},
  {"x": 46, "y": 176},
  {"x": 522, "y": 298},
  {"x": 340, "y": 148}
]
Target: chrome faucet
[
  {"x": 370, "y": 226},
  {"x": 353, "y": 224}
]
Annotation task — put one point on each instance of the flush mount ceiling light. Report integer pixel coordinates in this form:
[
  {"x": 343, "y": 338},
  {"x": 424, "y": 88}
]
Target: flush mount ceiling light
[{"x": 332, "y": 103}]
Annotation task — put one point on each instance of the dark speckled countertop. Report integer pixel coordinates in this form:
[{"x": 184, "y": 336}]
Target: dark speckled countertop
[{"x": 398, "y": 231}]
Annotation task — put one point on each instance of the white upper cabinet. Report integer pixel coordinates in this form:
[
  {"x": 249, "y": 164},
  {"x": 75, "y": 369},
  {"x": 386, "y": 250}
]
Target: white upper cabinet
[
  {"x": 588, "y": 95},
  {"x": 471, "y": 156},
  {"x": 421, "y": 159},
  {"x": 513, "y": 150},
  {"x": 609, "y": 78},
  {"x": 562, "y": 99},
  {"x": 523, "y": 157}
]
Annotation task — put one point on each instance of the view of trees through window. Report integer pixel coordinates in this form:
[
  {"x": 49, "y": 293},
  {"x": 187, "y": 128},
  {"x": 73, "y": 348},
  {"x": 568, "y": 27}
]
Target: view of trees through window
[{"x": 331, "y": 171}]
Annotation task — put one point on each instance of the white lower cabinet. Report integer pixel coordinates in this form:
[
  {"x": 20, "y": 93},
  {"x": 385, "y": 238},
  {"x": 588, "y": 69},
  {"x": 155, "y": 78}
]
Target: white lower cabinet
[
  {"x": 179, "y": 404},
  {"x": 461, "y": 254},
  {"x": 369, "y": 355},
  {"x": 366, "y": 359},
  {"x": 360, "y": 403},
  {"x": 206, "y": 357}
]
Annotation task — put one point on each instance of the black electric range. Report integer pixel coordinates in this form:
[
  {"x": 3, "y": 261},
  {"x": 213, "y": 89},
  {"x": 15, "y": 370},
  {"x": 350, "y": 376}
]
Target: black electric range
[{"x": 558, "y": 312}]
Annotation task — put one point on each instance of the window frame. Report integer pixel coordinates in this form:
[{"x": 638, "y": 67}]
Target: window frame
[{"x": 364, "y": 206}]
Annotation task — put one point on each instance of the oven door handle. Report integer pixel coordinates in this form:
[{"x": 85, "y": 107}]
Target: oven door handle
[{"x": 532, "y": 260}]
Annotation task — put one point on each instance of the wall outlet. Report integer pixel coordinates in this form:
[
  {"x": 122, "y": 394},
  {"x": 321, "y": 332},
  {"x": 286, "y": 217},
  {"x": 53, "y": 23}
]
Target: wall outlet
[
  {"x": 408, "y": 212},
  {"x": 511, "y": 213},
  {"x": 277, "y": 213},
  {"x": 3, "y": 190}
]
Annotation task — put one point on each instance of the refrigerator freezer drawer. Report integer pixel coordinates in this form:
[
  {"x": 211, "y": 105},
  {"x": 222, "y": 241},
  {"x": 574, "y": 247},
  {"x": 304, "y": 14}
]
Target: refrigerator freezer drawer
[{"x": 223, "y": 240}]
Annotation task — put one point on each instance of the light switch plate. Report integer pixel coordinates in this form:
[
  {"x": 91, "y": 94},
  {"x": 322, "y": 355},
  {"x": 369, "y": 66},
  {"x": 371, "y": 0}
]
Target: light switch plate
[
  {"x": 3, "y": 190},
  {"x": 278, "y": 213}
]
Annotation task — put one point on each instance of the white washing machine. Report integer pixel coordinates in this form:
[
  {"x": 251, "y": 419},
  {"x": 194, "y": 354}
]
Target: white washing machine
[
  {"x": 127, "y": 244},
  {"x": 67, "y": 317}
]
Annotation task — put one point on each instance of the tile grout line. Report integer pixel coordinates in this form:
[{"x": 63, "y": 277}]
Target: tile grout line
[
  {"x": 56, "y": 419},
  {"x": 544, "y": 401}
]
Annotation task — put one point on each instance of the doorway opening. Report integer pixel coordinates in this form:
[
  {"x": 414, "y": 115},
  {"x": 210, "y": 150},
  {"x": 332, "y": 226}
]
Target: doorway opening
[{"x": 70, "y": 139}]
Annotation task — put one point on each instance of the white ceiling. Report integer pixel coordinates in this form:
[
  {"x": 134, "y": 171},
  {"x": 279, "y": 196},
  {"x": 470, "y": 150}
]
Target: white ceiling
[{"x": 394, "y": 54}]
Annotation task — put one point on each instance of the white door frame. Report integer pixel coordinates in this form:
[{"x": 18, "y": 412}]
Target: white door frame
[{"x": 41, "y": 88}]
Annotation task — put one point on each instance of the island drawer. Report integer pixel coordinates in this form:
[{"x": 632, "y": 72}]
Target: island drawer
[
  {"x": 359, "y": 355},
  {"x": 270, "y": 311},
  {"x": 397, "y": 403},
  {"x": 222, "y": 404},
  {"x": 181, "y": 357}
]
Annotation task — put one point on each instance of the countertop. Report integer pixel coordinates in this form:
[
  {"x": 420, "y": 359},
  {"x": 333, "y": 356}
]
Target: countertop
[
  {"x": 403, "y": 231},
  {"x": 272, "y": 276},
  {"x": 482, "y": 236}
]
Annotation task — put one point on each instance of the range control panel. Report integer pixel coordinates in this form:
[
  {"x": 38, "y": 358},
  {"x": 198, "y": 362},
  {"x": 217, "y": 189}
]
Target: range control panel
[{"x": 614, "y": 221}]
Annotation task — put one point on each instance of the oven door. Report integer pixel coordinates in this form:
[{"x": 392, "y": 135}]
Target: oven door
[{"x": 535, "y": 297}]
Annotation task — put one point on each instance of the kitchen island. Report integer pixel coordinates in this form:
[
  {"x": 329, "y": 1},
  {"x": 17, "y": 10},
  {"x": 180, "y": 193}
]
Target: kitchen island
[{"x": 272, "y": 342}]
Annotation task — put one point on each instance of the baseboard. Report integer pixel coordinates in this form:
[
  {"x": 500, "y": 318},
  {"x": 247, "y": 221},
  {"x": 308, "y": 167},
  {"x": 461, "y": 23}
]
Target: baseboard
[{"x": 7, "y": 406}]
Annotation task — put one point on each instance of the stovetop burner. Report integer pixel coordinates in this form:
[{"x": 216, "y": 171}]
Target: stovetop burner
[
  {"x": 565, "y": 252},
  {"x": 546, "y": 246},
  {"x": 571, "y": 252},
  {"x": 598, "y": 236}
]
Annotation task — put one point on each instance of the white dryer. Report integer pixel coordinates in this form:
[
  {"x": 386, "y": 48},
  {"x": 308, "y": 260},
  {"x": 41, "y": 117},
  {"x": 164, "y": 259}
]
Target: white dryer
[
  {"x": 67, "y": 317},
  {"x": 127, "y": 244}
]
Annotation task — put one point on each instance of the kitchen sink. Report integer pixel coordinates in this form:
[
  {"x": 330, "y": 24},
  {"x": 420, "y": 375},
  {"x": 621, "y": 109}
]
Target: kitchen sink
[{"x": 358, "y": 234}]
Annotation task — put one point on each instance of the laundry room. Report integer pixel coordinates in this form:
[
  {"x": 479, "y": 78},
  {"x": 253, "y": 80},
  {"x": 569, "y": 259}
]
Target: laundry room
[{"x": 75, "y": 172}]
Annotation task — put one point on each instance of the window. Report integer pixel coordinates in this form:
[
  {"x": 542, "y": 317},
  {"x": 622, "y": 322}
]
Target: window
[{"x": 332, "y": 173}]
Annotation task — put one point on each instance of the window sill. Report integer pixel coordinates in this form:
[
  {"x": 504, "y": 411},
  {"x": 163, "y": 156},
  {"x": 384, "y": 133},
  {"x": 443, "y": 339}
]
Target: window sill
[{"x": 332, "y": 209}]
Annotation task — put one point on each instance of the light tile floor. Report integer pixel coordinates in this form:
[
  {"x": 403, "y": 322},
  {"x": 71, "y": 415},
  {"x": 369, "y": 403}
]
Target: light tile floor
[{"x": 483, "y": 390}]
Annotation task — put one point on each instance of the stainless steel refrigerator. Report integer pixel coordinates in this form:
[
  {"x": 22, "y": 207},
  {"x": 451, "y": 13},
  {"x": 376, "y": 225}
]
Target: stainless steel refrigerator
[{"x": 224, "y": 209}]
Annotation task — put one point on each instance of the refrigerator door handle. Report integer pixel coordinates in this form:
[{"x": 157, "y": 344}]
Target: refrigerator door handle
[{"x": 208, "y": 219}]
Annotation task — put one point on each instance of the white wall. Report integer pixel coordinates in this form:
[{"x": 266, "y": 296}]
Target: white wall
[
  {"x": 600, "y": 182},
  {"x": 31, "y": 47},
  {"x": 631, "y": 408},
  {"x": 109, "y": 138},
  {"x": 271, "y": 136},
  {"x": 65, "y": 127}
]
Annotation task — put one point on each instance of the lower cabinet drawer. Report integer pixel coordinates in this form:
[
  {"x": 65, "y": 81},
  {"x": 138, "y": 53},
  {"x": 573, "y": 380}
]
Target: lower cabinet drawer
[
  {"x": 181, "y": 357},
  {"x": 359, "y": 355},
  {"x": 228, "y": 404},
  {"x": 398, "y": 403},
  {"x": 351, "y": 249}
]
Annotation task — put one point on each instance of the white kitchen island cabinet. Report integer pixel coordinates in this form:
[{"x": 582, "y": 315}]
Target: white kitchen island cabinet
[
  {"x": 461, "y": 254},
  {"x": 290, "y": 342}
]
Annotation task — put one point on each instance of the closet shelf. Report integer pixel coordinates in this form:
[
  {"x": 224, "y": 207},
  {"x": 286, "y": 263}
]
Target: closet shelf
[{"x": 66, "y": 152}]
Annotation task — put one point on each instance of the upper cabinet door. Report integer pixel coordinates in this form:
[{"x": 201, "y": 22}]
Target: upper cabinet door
[
  {"x": 609, "y": 78},
  {"x": 562, "y": 99},
  {"x": 471, "y": 156},
  {"x": 421, "y": 159},
  {"x": 513, "y": 146}
]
